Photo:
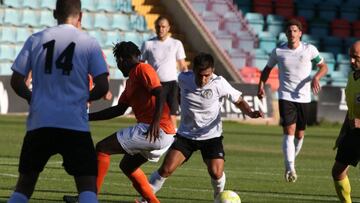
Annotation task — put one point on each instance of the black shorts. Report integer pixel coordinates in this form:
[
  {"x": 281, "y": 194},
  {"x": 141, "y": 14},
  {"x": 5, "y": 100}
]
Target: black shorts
[
  {"x": 76, "y": 148},
  {"x": 293, "y": 112},
  {"x": 349, "y": 148},
  {"x": 171, "y": 90},
  {"x": 210, "y": 149}
]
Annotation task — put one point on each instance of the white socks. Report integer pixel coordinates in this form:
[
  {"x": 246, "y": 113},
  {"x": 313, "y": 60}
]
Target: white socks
[
  {"x": 156, "y": 181},
  {"x": 17, "y": 197},
  {"x": 87, "y": 197},
  {"x": 298, "y": 145},
  {"x": 218, "y": 185},
  {"x": 289, "y": 152}
]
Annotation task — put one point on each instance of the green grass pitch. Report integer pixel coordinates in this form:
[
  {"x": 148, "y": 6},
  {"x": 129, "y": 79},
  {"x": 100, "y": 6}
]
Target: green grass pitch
[{"x": 253, "y": 167}]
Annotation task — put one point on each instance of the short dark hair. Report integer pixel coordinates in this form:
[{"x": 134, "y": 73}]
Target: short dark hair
[
  {"x": 203, "y": 61},
  {"x": 160, "y": 18},
  {"x": 126, "y": 50},
  {"x": 67, "y": 8},
  {"x": 296, "y": 22}
]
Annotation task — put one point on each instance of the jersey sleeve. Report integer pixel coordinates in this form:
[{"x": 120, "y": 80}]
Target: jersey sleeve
[
  {"x": 272, "y": 60},
  {"x": 180, "y": 53},
  {"x": 97, "y": 63},
  {"x": 148, "y": 77},
  {"x": 228, "y": 91},
  {"x": 22, "y": 63},
  {"x": 315, "y": 56}
]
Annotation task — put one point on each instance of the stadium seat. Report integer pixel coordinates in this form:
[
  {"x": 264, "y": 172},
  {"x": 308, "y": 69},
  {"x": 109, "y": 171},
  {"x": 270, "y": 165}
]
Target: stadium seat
[
  {"x": 267, "y": 41},
  {"x": 332, "y": 44},
  {"x": 88, "y": 5},
  {"x": 7, "y": 34},
  {"x": 48, "y": 4},
  {"x": 106, "y": 5},
  {"x": 340, "y": 28},
  {"x": 238, "y": 57},
  {"x": 342, "y": 59},
  {"x": 232, "y": 23},
  {"x": 34, "y": 4},
  {"x": 281, "y": 38},
  {"x": 250, "y": 74},
  {"x": 134, "y": 37},
  {"x": 13, "y": 3},
  {"x": 224, "y": 39},
  {"x": 148, "y": 35},
  {"x": 138, "y": 22},
  {"x": 244, "y": 41},
  {"x": 5, "y": 68},
  {"x": 7, "y": 52},
  {"x": 338, "y": 78},
  {"x": 244, "y": 5},
  {"x": 329, "y": 60},
  {"x": 211, "y": 20},
  {"x": 98, "y": 35},
  {"x": 199, "y": 5},
  {"x": 349, "y": 12},
  {"x": 46, "y": 18},
  {"x": 306, "y": 9},
  {"x": 125, "y": 6},
  {"x": 259, "y": 58},
  {"x": 256, "y": 21},
  {"x": 30, "y": 17},
  {"x": 356, "y": 28},
  {"x": 319, "y": 27},
  {"x": 275, "y": 24},
  {"x": 327, "y": 12},
  {"x": 102, "y": 21},
  {"x": 87, "y": 21},
  {"x": 311, "y": 39},
  {"x": 219, "y": 7},
  {"x": 22, "y": 33},
  {"x": 110, "y": 58},
  {"x": 12, "y": 16},
  {"x": 264, "y": 7},
  {"x": 111, "y": 38},
  {"x": 121, "y": 21},
  {"x": 284, "y": 8},
  {"x": 348, "y": 43}
]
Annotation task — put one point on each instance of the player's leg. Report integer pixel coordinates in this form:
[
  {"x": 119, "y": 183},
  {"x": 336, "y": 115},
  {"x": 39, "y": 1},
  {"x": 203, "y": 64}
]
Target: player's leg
[
  {"x": 104, "y": 149},
  {"x": 301, "y": 122},
  {"x": 341, "y": 181},
  {"x": 36, "y": 150},
  {"x": 213, "y": 154},
  {"x": 130, "y": 165},
  {"x": 288, "y": 117}
]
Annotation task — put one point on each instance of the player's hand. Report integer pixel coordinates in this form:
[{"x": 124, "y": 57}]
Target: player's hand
[
  {"x": 261, "y": 92},
  {"x": 153, "y": 133},
  {"x": 315, "y": 85},
  {"x": 257, "y": 114},
  {"x": 108, "y": 96}
]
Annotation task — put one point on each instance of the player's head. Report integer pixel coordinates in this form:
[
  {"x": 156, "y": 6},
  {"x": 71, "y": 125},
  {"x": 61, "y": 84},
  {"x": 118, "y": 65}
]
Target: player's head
[
  {"x": 293, "y": 31},
  {"x": 68, "y": 11},
  {"x": 126, "y": 55},
  {"x": 355, "y": 56},
  {"x": 203, "y": 68},
  {"x": 162, "y": 27}
]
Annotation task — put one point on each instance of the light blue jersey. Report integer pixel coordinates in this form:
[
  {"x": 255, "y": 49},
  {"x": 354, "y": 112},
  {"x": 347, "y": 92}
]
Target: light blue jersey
[
  {"x": 200, "y": 107},
  {"x": 60, "y": 59}
]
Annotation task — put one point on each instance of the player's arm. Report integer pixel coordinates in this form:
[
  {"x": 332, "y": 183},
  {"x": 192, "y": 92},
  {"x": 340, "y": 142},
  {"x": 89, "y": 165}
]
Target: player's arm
[
  {"x": 245, "y": 108},
  {"x": 19, "y": 85},
  {"x": 109, "y": 113},
  {"x": 101, "y": 87},
  {"x": 315, "y": 83},
  {"x": 182, "y": 65},
  {"x": 263, "y": 78},
  {"x": 153, "y": 131}
]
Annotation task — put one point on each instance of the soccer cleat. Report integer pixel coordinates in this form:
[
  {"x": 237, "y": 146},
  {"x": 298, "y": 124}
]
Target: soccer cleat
[
  {"x": 290, "y": 176},
  {"x": 71, "y": 199},
  {"x": 141, "y": 200}
]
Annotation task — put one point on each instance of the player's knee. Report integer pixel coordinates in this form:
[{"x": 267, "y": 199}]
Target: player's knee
[
  {"x": 166, "y": 171},
  {"x": 217, "y": 174}
]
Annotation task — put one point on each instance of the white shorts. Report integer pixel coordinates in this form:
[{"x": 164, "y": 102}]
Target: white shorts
[{"x": 133, "y": 141}]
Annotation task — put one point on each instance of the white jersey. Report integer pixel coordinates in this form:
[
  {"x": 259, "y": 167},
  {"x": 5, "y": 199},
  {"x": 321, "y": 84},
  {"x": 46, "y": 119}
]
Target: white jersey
[
  {"x": 163, "y": 56},
  {"x": 60, "y": 59},
  {"x": 294, "y": 70},
  {"x": 200, "y": 107}
]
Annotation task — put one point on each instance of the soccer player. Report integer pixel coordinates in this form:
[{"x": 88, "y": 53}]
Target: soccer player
[
  {"x": 60, "y": 59},
  {"x": 164, "y": 53},
  {"x": 200, "y": 127},
  {"x": 348, "y": 142},
  {"x": 154, "y": 131},
  {"x": 295, "y": 60}
]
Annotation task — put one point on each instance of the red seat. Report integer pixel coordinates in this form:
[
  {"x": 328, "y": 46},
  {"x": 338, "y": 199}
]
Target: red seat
[
  {"x": 250, "y": 74},
  {"x": 340, "y": 28},
  {"x": 356, "y": 28},
  {"x": 264, "y": 7},
  {"x": 284, "y": 8}
]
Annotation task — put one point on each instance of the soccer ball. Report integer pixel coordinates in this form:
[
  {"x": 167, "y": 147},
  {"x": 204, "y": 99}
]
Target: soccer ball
[{"x": 227, "y": 196}]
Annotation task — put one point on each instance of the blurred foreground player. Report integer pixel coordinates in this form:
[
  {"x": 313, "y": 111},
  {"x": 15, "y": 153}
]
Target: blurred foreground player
[{"x": 60, "y": 58}]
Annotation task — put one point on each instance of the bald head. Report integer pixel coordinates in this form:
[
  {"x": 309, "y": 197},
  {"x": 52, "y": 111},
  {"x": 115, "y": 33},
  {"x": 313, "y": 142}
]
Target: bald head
[{"x": 355, "y": 55}]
